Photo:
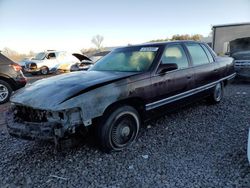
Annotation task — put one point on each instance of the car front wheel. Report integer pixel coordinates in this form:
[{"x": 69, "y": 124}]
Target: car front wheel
[
  {"x": 5, "y": 91},
  {"x": 119, "y": 129},
  {"x": 217, "y": 94},
  {"x": 44, "y": 70}
]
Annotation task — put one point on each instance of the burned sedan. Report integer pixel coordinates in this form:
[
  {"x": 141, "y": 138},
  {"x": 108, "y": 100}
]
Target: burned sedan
[{"x": 118, "y": 92}]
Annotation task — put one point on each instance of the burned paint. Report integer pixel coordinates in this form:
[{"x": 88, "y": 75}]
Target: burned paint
[
  {"x": 73, "y": 104},
  {"x": 50, "y": 93}
]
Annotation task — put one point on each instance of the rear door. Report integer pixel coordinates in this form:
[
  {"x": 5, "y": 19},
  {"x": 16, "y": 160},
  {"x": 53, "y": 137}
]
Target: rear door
[
  {"x": 203, "y": 65},
  {"x": 170, "y": 84}
]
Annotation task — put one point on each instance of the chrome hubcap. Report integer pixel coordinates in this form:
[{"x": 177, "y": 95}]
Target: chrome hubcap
[
  {"x": 125, "y": 131},
  {"x": 44, "y": 71},
  {"x": 218, "y": 92},
  {"x": 3, "y": 92}
]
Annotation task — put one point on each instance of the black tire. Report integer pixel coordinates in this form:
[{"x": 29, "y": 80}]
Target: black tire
[
  {"x": 5, "y": 91},
  {"x": 217, "y": 94},
  {"x": 44, "y": 70},
  {"x": 119, "y": 129}
]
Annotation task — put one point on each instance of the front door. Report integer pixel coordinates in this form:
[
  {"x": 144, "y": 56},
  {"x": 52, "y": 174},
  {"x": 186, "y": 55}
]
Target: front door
[
  {"x": 169, "y": 86},
  {"x": 51, "y": 61}
]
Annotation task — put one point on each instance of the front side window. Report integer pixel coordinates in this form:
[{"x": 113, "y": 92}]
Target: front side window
[
  {"x": 130, "y": 59},
  {"x": 198, "y": 55},
  {"x": 51, "y": 56},
  {"x": 175, "y": 54}
]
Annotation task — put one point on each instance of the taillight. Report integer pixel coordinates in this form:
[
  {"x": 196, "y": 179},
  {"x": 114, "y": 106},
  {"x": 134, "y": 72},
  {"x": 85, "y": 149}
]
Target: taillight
[{"x": 16, "y": 67}]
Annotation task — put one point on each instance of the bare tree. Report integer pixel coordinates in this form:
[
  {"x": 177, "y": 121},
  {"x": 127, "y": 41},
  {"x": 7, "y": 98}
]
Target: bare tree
[
  {"x": 97, "y": 41},
  {"x": 13, "y": 55}
]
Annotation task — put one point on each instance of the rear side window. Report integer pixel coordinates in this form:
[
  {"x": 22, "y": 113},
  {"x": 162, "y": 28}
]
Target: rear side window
[
  {"x": 197, "y": 53},
  {"x": 51, "y": 56},
  {"x": 210, "y": 57},
  {"x": 175, "y": 54}
]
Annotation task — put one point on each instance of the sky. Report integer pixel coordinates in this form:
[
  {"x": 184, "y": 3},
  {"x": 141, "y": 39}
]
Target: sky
[{"x": 37, "y": 25}]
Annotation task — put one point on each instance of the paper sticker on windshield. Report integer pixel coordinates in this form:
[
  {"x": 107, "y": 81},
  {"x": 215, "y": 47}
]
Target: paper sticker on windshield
[{"x": 149, "y": 49}]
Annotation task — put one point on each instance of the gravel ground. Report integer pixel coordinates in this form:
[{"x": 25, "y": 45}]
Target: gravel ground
[{"x": 198, "y": 146}]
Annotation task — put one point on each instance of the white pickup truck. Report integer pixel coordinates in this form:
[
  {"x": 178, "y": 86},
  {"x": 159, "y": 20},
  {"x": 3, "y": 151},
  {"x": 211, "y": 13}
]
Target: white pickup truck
[{"x": 50, "y": 61}]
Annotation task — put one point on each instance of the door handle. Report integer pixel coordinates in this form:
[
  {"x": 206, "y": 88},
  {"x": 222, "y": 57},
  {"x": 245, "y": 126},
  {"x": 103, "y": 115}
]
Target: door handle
[{"x": 189, "y": 77}]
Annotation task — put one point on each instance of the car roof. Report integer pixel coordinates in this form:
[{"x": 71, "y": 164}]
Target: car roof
[
  {"x": 52, "y": 51},
  {"x": 169, "y": 42},
  {"x": 150, "y": 44},
  {"x": 103, "y": 53}
]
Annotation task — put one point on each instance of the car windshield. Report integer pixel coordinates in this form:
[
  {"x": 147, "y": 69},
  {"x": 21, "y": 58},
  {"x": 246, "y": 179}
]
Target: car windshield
[
  {"x": 130, "y": 59},
  {"x": 40, "y": 56}
]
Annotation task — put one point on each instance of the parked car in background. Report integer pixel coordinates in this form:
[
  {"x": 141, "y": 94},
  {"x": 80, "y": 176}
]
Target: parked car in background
[
  {"x": 242, "y": 63},
  {"x": 120, "y": 91},
  {"x": 239, "y": 49},
  {"x": 11, "y": 78},
  {"x": 50, "y": 61},
  {"x": 84, "y": 64},
  {"x": 23, "y": 62}
]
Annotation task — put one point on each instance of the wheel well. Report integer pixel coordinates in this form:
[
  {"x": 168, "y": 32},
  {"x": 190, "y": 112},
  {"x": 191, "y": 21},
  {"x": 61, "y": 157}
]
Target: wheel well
[
  {"x": 8, "y": 80},
  {"x": 136, "y": 103},
  {"x": 44, "y": 67}
]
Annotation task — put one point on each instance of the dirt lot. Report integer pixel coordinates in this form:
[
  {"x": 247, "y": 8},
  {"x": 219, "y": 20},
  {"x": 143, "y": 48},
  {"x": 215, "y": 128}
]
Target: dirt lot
[{"x": 198, "y": 146}]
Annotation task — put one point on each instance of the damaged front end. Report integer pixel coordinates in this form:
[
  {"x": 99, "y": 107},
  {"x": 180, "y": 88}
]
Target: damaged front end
[{"x": 29, "y": 123}]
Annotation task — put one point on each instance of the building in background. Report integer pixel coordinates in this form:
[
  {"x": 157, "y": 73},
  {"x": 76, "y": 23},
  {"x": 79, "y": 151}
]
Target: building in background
[{"x": 231, "y": 37}]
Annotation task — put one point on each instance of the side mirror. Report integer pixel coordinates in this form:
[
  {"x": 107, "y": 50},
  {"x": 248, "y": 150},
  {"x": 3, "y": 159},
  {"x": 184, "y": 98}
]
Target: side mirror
[
  {"x": 227, "y": 53},
  {"x": 163, "y": 68}
]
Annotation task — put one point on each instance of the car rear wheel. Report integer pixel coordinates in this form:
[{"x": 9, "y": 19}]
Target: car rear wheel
[
  {"x": 217, "y": 94},
  {"x": 44, "y": 70},
  {"x": 5, "y": 91},
  {"x": 119, "y": 129}
]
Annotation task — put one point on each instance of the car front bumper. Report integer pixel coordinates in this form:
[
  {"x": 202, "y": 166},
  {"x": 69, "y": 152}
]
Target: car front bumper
[
  {"x": 34, "y": 124},
  {"x": 30, "y": 130},
  {"x": 32, "y": 70}
]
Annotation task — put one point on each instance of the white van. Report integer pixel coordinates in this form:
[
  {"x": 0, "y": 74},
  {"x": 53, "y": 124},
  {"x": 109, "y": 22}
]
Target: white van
[{"x": 50, "y": 61}]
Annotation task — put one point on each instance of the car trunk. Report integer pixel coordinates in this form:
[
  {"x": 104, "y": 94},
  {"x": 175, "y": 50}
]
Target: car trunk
[
  {"x": 81, "y": 57},
  {"x": 5, "y": 60}
]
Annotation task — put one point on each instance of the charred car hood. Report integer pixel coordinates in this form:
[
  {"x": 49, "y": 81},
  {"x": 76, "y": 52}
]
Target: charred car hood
[{"x": 50, "y": 92}]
